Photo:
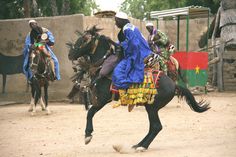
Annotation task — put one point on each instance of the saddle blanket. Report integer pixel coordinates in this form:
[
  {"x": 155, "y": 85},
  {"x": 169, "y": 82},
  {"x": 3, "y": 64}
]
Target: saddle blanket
[{"x": 139, "y": 94}]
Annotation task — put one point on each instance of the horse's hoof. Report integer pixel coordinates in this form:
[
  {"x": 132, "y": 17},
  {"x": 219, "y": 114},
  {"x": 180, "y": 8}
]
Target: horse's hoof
[
  {"x": 117, "y": 148},
  {"x": 135, "y": 146},
  {"x": 87, "y": 139},
  {"x": 30, "y": 110},
  {"x": 140, "y": 149},
  {"x": 48, "y": 111},
  {"x": 123, "y": 149},
  {"x": 33, "y": 113}
]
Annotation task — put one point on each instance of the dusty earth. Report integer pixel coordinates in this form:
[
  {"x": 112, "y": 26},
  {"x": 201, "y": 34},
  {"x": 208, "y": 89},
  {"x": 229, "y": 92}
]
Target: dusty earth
[{"x": 61, "y": 134}]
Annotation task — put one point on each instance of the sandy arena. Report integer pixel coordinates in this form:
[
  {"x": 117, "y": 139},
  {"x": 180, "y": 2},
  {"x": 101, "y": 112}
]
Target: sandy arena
[{"x": 61, "y": 134}]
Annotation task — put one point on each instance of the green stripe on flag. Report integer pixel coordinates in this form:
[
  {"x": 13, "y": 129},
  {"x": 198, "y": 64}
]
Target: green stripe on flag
[{"x": 194, "y": 78}]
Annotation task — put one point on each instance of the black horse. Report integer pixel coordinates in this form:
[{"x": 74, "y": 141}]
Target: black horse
[
  {"x": 86, "y": 45},
  {"x": 41, "y": 68}
]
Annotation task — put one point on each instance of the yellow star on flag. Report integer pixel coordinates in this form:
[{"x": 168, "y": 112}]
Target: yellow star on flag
[{"x": 197, "y": 69}]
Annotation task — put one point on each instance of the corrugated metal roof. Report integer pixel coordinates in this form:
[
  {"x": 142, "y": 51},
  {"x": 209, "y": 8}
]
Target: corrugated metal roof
[
  {"x": 192, "y": 11},
  {"x": 105, "y": 14}
]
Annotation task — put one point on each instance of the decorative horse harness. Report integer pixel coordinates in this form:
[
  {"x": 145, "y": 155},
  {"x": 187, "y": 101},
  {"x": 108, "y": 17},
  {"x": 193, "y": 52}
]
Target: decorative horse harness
[
  {"x": 137, "y": 94},
  {"x": 40, "y": 50}
]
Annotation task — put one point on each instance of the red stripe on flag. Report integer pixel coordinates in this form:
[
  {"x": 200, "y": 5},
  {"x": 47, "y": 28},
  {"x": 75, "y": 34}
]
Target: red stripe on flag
[
  {"x": 181, "y": 58},
  {"x": 192, "y": 60}
]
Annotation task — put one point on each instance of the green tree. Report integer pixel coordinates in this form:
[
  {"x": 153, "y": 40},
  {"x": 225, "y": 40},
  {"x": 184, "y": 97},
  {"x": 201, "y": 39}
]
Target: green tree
[
  {"x": 135, "y": 8},
  {"x": 11, "y": 9},
  {"x": 140, "y": 8},
  {"x": 212, "y": 4},
  {"x": 33, "y": 8}
]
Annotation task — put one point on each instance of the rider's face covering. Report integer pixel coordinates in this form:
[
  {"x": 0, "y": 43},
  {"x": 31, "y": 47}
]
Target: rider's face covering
[
  {"x": 150, "y": 29},
  {"x": 33, "y": 25},
  {"x": 118, "y": 23}
]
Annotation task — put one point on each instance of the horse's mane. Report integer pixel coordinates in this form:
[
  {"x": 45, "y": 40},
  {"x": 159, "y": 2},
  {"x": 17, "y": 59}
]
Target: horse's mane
[{"x": 93, "y": 30}]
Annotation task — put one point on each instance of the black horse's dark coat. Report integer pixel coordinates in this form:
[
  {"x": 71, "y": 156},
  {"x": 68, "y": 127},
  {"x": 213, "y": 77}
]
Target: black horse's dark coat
[{"x": 166, "y": 92}]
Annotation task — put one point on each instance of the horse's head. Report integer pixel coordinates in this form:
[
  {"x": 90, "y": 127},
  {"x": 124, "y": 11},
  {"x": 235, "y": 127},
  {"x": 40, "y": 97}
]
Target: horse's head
[
  {"x": 85, "y": 44},
  {"x": 34, "y": 59},
  {"x": 37, "y": 58}
]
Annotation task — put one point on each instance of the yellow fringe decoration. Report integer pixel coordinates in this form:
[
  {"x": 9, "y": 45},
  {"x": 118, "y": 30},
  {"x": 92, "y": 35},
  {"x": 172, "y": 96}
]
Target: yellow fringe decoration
[{"x": 138, "y": 94}]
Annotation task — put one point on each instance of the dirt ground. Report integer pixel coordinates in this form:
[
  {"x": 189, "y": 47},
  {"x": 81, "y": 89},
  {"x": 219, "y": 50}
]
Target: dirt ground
[{"x": 61, "y": 134}]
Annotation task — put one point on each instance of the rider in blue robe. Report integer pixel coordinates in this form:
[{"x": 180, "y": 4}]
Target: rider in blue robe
[
  {"x": 131, "y": 68},
  {"x": 29, "y": 41}
]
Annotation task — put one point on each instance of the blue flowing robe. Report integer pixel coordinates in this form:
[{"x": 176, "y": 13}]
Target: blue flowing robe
[
  {"x": 131, "y": 68},
  {"x": 26, "y": 68}
]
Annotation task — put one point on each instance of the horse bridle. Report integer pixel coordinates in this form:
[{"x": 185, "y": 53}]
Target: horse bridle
[
  {"x": 35, "y": 52},
  {"x": 88, "y": 37},
  {"x": 32, "y": 55}
]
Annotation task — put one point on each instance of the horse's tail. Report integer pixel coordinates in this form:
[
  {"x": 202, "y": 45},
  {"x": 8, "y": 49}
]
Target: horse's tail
[{"x": 199, "y": 107}]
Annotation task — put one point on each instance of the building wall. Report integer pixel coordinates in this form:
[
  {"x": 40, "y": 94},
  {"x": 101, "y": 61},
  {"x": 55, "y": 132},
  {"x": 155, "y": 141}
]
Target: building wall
[
  {"x": 196, "y": 29},
  {"x": 13, "y": 33},
  {"x": 109, "y": 27}
]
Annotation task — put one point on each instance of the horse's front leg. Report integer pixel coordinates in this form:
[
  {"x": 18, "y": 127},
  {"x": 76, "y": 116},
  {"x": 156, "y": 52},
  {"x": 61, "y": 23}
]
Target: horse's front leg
[
  {"x": 89, "y": 124},
  {"x": 103, "y": 97},
  {"x": 46, "y": 97},
  {"x": 36, "y": 98},
  {"x": 31, "y": 104},
  {"x": 42, "y": 104},
  {"x": 37, "y": 95},
  {"x": 32, "y": 98}
]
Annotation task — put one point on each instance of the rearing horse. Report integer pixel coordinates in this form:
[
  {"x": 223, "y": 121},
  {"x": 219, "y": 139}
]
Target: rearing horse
[
  {"x": 41, "y": 68},
  {"x": 91, "y": 41}
]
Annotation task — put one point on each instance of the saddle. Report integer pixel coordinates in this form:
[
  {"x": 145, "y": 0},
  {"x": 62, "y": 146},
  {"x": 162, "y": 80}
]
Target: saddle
[
  {"x": 50, "y": 69},
  {"x": 173, "y": 67}
]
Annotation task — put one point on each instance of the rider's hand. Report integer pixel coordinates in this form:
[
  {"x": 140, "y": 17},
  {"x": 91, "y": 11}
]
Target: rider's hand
[
  {"x": 107, "y": 38},
  {"x": 150, "y": 42},
  {"x": 32, "y": 47},
  {"x": 118, "y": 49}
]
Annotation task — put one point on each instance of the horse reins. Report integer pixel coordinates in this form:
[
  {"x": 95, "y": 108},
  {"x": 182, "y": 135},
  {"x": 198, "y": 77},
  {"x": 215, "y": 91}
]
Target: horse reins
[
  {"x": 108, "y": 53},
  {"x": 36, "y": 65}
]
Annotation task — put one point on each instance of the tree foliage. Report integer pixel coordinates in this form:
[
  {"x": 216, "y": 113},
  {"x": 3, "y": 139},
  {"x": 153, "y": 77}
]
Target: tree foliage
[
  {"x": 140, "y": 8},
  {"x": 11, "y": 9},
  {"x": 16, "y": 8},
  {"x": 135, "y": 8}
]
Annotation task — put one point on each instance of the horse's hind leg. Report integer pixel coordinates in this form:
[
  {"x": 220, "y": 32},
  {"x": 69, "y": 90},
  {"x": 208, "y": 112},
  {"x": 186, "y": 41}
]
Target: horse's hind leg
[
  {"x": 166, "y": 93},
  {"x": 154, "y": 128}
]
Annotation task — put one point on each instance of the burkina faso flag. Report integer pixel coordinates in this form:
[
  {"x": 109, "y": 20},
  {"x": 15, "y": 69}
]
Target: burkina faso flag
[{"x": 193, "y": 66}]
